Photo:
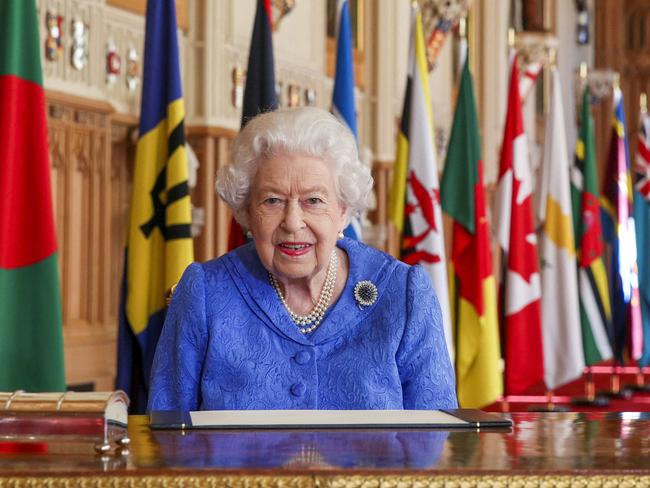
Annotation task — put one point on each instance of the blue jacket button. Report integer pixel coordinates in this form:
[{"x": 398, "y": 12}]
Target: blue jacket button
[
  {"x": 297, "y": 389},
  {"x": 302, "y": 357}
]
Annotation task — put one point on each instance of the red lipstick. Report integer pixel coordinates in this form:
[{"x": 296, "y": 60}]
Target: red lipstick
[{"x": 294, "y": 248}]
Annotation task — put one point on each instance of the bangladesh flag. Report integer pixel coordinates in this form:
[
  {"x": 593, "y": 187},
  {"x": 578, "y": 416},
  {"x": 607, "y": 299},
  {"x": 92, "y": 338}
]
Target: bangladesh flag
[{"x": 31, "y": 342}]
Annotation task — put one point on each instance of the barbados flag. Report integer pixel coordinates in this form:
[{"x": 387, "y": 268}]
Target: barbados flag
[{"x": 159, "y": 245}]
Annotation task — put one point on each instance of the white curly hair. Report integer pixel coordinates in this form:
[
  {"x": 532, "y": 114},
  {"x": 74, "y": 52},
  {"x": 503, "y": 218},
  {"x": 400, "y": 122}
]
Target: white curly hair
[{"x": 303, "y": 131}]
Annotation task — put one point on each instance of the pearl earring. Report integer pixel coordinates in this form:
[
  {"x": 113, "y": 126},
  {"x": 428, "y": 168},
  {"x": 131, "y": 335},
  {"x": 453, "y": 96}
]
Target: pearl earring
[
  {"x": 341, "y": 235},
  {"x": 249, "y": 234}
]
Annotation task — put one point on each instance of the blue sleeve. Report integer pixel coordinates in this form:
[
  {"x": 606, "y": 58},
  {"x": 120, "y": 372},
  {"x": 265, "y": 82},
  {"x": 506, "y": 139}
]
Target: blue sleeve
[
  {"x": 176, "y": 371},
  {"x": 425, "y": 370}
]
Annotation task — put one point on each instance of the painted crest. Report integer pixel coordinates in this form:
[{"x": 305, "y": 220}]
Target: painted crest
[
  {"x": 54, "y": 39},
  {"x": 113, "y": 63},
  {"x": 79, "y": 48},
  {"x": 132, "y": 69}
]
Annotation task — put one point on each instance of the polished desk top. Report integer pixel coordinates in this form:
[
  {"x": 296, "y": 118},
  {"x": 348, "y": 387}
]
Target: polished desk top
[{"x": 541, "y": 447}]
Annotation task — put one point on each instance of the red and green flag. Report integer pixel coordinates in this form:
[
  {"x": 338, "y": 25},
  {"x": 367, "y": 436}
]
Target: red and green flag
[
  {"x": 473, "y": 294},
  {"x": 31, "y": 336}
]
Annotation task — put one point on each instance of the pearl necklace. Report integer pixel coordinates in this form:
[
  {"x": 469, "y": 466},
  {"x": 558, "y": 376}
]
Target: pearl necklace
[{"x": 316, "y": 315}]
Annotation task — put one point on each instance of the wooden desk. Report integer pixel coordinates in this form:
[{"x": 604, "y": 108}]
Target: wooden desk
[{"x": 543, "y": 449}]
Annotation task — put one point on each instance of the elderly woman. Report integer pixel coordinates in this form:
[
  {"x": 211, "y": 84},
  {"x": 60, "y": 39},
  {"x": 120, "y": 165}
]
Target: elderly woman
[{"x": 301, "y": 317}]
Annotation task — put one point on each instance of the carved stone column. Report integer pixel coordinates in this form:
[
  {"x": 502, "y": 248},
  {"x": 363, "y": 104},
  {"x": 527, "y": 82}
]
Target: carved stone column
[{"x": 491, "y": 78}]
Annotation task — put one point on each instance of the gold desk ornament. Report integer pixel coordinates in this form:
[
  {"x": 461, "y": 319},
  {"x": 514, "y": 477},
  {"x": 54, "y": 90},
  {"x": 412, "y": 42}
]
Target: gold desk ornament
[{"x": 72, "y": 420}]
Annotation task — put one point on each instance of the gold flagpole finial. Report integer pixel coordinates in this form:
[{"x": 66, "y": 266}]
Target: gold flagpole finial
[
  {"x": 511, "y": 37},
  {"x": 643, "y": 102},
  {"x": 583, "y": 70}
]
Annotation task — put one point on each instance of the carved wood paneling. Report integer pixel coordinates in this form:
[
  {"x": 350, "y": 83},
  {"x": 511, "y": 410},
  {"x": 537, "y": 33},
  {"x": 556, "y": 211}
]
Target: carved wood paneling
[
  {"x": 90, "y": 182},
  {"x": 622, "y": 43},
  {"x": 211, "y": 147},
  {"x": 121, "y": 176}
]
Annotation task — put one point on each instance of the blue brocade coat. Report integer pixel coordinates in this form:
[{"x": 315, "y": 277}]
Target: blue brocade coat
[{"x": 229, "y": 344}]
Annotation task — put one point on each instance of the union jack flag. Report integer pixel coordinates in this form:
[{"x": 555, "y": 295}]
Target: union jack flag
[{"x": 643, "y": 157}]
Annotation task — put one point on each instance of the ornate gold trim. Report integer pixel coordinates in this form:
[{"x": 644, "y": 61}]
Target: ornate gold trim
[{"x": 333, "y": 481}]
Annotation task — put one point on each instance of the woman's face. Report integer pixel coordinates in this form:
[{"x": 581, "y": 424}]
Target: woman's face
[{"x": 294, "y": 215}]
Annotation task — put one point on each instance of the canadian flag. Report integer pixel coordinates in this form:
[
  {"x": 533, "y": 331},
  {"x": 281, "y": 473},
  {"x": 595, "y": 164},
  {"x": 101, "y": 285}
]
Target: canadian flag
[{"x": 520, "y": 286}]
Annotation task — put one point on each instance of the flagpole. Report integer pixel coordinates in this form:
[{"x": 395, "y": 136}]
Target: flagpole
[
  {"x": 615, "y": 379},
  {"x": 590, "y": 386},
  {"x": 462, "y": 33},
  {"x": 505, "y": 407},
  {"x": 552, "y": 62}
]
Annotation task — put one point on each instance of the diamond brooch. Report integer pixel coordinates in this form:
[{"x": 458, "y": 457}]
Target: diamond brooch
[{"x": 365, "y": 293}]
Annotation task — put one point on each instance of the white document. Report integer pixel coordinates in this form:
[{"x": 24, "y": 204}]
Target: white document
[{"x": 323, "y": 418}]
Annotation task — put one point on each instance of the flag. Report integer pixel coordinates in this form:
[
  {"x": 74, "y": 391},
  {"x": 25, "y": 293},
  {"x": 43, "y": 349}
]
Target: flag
[
  {"x": 521, "y": 285},
  {"x": 473, "y": 297},
  {"x": 259, "y": 91},
  {"x": 159, "y": 244},
  {"x": 415, "y": 197},
  {"x": 31, "y": 335},
  {"x": 595, "y": 311},
  {"x": 642, "y": 222},
  {"x": 562, "y": 338},
  {"x": 619, "y": 234},
  {"x": 343, "y": 105}
]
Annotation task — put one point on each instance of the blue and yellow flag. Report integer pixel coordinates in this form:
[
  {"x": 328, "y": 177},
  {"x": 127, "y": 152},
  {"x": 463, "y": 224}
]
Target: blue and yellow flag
[{"x": 159, "y": 245}]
